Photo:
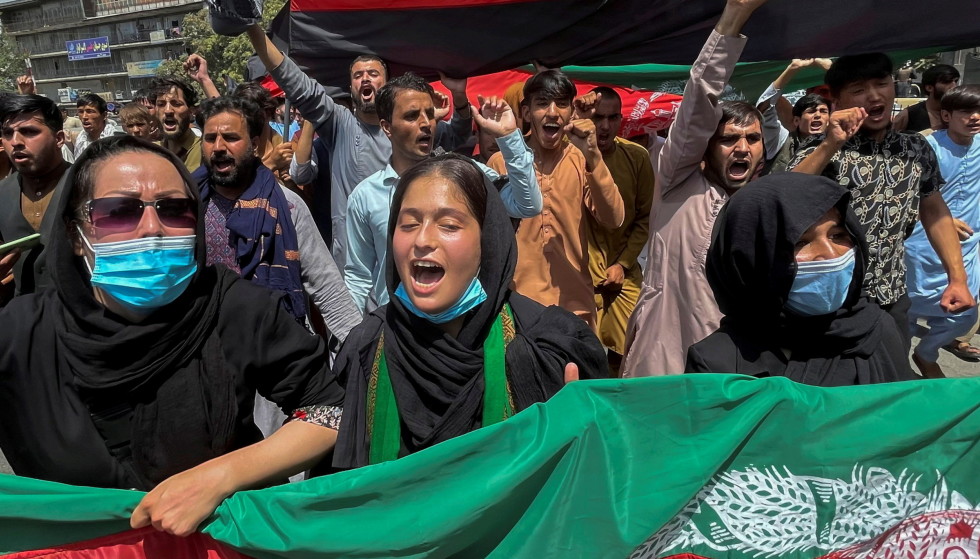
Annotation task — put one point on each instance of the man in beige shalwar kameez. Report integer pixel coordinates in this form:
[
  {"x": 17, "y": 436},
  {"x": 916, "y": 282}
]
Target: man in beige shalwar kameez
[{"x": 712, "y": 150}]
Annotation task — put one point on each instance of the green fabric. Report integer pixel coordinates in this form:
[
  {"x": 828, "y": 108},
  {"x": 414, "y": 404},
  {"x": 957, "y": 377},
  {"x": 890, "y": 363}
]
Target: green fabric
[
  {"x": 496, "y": 399},
  {"x": 751, "y": 78},
  {"x": 598, "y": 470},
  {"x": 385, "y": 422}
]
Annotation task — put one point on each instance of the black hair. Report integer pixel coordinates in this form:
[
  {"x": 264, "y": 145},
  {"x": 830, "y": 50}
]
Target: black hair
[
  {"x": 147, "y": 93},
  {"x": 550, "y": 85},
  {"x": 940, "y": 73},
  {"x": 857, "y": 67},
  {"x": 253, "y": 115},
  {"x": 385, "y": 100},
  {"x": 607, "y": 92},
  {"x": 164, "y": 86},
  {"x": 97, "y": 152},
  {"x": 258, "y": 95},
  {"x": 13, "y": 105},
  {"x": 809, "y": 101},
  {"x": 368, "y": 58},
  {"x": 961, "y": 98},
  {"x": 93, "y": 100},
  {"x": 461, "y": 171},
  {"x": 739, "y": 113}
]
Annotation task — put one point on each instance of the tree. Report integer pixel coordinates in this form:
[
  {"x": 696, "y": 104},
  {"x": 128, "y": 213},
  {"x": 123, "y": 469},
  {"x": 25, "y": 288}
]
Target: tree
[
  {"x": 11, "y": 63},
  {"x": 225, "y": 55}
]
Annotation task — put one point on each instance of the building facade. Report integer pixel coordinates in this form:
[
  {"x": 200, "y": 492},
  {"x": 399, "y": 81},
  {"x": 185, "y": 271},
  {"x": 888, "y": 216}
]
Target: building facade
[{"x": 107, "y": 47}]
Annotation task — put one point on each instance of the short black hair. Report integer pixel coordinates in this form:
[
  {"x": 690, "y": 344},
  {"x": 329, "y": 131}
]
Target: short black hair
[
  {"x": 368, "y": 58},
  {"x": 739, "y": 113},
  {"x": 961, "y": 98},
  {"x": 385, "y": 100},
  {"x": 13, "y": 105},
  {"x": 606, "y": 92},
  {"x": 857, "y": 67},
  {"x": 253, "y": 115},
  {"x": 550, "y": 85},
  {"x": 940, "y": 73},
  {"x": 257, "y": 94},
  {"x": 93, "y": 100},
  {"x": 810, "y": 101},
  {"x": 147, "y": 93},
  {"x": 163, "y": 86}
]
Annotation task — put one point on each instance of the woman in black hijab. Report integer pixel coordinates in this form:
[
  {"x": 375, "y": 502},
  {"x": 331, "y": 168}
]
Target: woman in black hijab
[
  {"x": 786, "y": 264},
  {"x": 139, "y": 367},
  {"x": 458, "y": 350}
]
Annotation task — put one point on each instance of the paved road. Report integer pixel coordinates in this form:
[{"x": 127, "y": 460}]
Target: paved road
[{"x": 952, "y": 366}]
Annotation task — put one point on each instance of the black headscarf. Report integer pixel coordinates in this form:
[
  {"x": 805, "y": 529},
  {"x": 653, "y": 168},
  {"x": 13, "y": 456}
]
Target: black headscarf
[
  {"x": 437, "y": 378},
  {"x": 112, "y": 359},
  {"x": 751, "y": 266}
]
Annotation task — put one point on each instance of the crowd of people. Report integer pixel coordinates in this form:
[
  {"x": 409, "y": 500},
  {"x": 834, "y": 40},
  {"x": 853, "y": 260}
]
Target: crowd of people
[{"x": 211, "y": 305}]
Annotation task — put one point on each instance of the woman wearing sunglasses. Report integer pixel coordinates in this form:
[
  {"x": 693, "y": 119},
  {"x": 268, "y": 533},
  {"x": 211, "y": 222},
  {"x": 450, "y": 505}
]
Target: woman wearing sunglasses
[
  {"x": 455, "y": 349},
  {"x": 139, "y": 367}
]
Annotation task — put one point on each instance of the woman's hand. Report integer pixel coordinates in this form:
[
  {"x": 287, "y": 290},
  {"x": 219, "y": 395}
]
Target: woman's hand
[
  {"x": 181, "y": 502},
  {"x": 571, "y": 372}
]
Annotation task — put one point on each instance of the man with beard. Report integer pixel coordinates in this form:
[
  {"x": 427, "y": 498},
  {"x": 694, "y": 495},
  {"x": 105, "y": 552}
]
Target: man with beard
[
  {"x": 407, "y": 116},
  {"x": 713, "y": 149},
  {"x": 552, "y": 247},
  {"x": 613, "y": 252},
  {"x": 894, "y": 179},
  {"x": 92, "y": 111},
  {"x": 32, "y": 139},
  {"x": 926, "y": 115},
  {"x": 259, "y": 229},
  {"x": 357, "y": 145},
  {"x": 176, "y": 103}
]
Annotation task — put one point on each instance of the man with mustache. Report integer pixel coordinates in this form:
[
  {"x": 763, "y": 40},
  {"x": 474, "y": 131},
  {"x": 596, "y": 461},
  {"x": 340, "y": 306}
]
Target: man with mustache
[
  {"x": 408, "y": 117},
  {"x": 176, "y": 103},
  {"x": 713, "y": 149},
  {"x": 92, "y": 111},
  {"x": 357, "y": 145},
  {"x": 32, "y": 139},
  {"x": 259, "y": 229},
  {"x": 613, "y": 252},
  {"x": 894, "y": 179}
]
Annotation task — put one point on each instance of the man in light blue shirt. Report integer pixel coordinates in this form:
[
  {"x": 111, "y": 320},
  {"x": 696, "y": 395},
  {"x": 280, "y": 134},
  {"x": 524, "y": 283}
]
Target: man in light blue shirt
[{"x": 407, "y": 115}]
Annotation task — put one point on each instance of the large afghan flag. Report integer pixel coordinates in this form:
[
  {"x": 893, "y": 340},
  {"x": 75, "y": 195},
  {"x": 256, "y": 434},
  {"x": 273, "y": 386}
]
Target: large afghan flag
[
  {"x": 475, "y": 37},
  {"x": 714, "y": 466}
]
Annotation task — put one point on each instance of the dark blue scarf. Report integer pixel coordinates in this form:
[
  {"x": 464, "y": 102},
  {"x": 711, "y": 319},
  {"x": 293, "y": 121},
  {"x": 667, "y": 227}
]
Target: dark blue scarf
[{"x": 262, "y": 232}]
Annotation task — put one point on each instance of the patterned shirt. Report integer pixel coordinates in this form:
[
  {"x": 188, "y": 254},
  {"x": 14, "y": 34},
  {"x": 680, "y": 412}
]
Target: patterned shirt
[
  {"x": 886, "y": 180},
  {"x": 219, "y": 247}
]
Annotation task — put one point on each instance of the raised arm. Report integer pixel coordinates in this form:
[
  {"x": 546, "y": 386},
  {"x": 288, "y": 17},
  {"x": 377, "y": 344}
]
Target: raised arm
[
  {"x": 699, "y": 114},
  {"x": 521, "y": 195},
  {"x": 309, "y": 97},
  {"x": 601, "y": 195},
  {"x": 197, "y": 69}
]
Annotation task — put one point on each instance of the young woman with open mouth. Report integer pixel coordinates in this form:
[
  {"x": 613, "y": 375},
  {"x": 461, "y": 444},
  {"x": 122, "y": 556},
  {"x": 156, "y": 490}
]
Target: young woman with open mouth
[{"x": 455, "y": 349}]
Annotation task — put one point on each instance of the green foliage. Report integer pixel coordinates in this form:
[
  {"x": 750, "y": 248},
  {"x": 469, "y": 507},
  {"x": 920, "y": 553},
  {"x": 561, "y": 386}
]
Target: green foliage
[
  {"x": 11, "y": 63},
  {"x": 225, "y": 55}
]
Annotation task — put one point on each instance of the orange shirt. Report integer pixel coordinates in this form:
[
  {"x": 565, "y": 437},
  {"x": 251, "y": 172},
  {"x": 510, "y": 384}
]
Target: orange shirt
[{"x": 552, "y": 248}]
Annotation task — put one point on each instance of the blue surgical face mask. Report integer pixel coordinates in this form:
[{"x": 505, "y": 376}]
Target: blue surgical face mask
[
  {"x": 144, "y": 274},
  {"x": 473, "y": 296},
  {"x": 821, "y": 286}
]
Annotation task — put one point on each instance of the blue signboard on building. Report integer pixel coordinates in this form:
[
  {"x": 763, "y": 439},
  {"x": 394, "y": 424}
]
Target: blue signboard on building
[{"x": 84, "y": 49}]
